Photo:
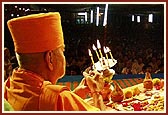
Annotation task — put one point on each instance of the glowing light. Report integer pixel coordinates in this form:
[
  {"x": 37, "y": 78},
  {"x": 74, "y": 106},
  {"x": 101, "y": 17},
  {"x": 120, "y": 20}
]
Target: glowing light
[
  {"x": 108, "y": 49},
  {"x": 27, "y": 10},
  {"x": 12, "y": 15},
  {"x": 150, "y": 18},
  {"x": 86, "y": 16},
  {"x": 95, "y": 49},
  {"x": 97, "y": 17},
  {"x": 105, "y": 15},
  {"x": 91, "y": 16},
  {"x": 133, "y": 18},
  {"x": 90, "y": 53},
  {"x": 98, "y": 44},
  {"x": 138, "y": 19},
  {"x": 105, "y": 50},
  {"x": 91, "y": 56},
  {"x": 99, "y": 47},
  {"x": 83, "y": 13}
]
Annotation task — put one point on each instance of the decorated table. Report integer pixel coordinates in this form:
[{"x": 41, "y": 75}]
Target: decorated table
[
  {"x": 148, "y": 101},
  {"x": 152, "y": 100}
]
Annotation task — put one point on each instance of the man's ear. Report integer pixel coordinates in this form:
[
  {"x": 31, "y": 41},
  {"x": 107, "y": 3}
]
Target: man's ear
[{"x": 49, "y": 59}]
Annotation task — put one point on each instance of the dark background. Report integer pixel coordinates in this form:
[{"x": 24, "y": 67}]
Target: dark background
[{"x": 121, "y": 35}]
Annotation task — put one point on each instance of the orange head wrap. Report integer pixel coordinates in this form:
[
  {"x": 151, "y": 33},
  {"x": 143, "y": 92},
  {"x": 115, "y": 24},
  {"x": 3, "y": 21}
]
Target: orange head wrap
[{"x": 36, "y": 32}]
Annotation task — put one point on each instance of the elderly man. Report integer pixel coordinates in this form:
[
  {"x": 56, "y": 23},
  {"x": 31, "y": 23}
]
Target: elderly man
[{"x": 39, "y": 47}]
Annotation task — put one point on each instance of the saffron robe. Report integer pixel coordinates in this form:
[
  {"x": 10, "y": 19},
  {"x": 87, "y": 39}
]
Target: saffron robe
[{"x": 27, "y": 91}]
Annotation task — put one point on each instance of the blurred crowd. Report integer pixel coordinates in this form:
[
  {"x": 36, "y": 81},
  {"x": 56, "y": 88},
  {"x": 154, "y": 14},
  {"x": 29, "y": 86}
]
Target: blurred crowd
[
  {"x": 136, "y": 47},
  {"x": 135, "y": 52},
  {"x": 10, "y": 63},
  {"x": 130, "y": 62}
]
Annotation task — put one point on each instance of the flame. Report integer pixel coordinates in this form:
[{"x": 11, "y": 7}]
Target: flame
[
  {"x": 98, "y": 44},
  {"x": 90, "y": 53},
  {"x": 105, "y": 50},
  {"x": 108, "y": 49},
  {"x": 94, "y": 47}
]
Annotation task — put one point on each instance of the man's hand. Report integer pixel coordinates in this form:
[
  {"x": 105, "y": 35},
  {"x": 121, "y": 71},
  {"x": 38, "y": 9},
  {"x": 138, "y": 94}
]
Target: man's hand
[
  {"x": 95, "y": 83},
  {"x": 94, "y": 80},
  {"x": 82, "y": 90}
]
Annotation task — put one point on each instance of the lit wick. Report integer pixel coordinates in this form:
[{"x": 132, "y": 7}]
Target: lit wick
[
  {"x": 105, "y": 51},
  {"x": 108, "y": 50},
  {"x": 95, "y": 49},
  {"x": 91, "y": 56},
  {"x": 99, "y": 47}
]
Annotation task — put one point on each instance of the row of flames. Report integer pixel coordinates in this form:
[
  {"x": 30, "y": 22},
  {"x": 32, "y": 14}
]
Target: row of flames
[{"x": 100, "y": 58}]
